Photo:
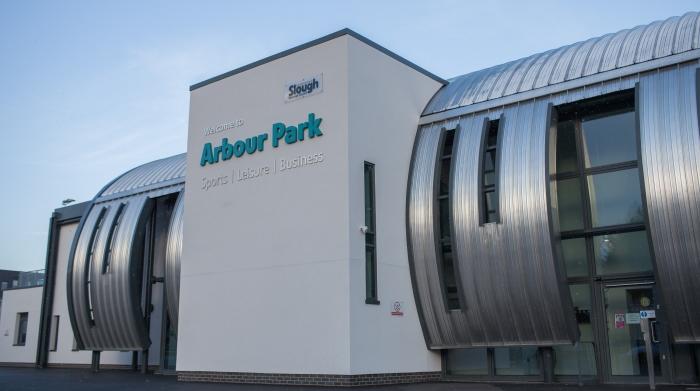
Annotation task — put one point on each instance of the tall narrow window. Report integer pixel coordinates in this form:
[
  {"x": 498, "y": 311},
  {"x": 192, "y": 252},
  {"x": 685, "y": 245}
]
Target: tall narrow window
[
  {"x": 53, "y": 333},
  {"x": 21, "y": 328},
  {"x": 88, "y": 262},
  {"x": 371, "y": 296},
  {"x": 447, "y": 272},
  {"x": 107, "y": 259},
  {"x": 489, "y": 173}
]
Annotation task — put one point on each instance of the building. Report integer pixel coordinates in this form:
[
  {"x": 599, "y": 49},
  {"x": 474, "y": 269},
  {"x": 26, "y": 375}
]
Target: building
[{"x": 349, "y": 218}]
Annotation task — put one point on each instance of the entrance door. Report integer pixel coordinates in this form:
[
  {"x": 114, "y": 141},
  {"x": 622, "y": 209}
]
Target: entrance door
[{"x": 626, "y": 359}]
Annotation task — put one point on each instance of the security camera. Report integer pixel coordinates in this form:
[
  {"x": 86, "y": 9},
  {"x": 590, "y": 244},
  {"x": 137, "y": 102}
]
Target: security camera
[{"x": 364, "y": 229}]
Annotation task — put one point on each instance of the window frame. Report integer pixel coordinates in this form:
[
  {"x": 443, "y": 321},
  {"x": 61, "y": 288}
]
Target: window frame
[
  {"x": 441, "y": 239},
  {"x": 53, "y": 333},
  {"x": 621, "y": 102},
  {"x": 495, "y": 188},
  {"x": 19, "y": 325},
  {"x": 113, "y": 229},
  {"x": 371, "y": 286},
  {"x": 92, "y": 247},
  {"x": 491, "y": 374}
]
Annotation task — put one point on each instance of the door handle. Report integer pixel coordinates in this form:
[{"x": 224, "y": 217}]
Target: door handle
[{"x": 652, "y": 327}]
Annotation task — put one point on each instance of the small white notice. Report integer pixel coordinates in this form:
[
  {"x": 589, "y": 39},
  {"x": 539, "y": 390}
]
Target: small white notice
[
  {"x": 632, "y": 318},
  {"x": 647, "y": 314}
]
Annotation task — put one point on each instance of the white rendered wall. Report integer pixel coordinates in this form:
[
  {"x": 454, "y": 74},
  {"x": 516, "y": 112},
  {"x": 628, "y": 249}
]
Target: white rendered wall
[
  {"x": 264, "y": 279},
  {"x": 64, "y": 354},
  {"x": 386, "y": 100},
  {"x": 15, "y": 301}
]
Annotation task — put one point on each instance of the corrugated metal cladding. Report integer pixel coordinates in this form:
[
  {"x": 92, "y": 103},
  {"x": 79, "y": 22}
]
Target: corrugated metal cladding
[
  {"x": 173, "y": 253},
  {"x": 513, "y": 290},
  {"x": 105, "y": 271},
  {"x": 503, "y": 299},
  {"x": 156, "y": 172},
  {"x": 670, "y": 140},
  {"x": 613, "y": 51}
]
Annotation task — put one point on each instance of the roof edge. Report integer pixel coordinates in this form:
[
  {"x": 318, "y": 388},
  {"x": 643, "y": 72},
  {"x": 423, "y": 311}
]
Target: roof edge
[{"x": 318, "y": 41}]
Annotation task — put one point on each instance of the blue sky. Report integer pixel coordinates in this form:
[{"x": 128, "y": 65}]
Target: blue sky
[{"x": 91, "y": 89}]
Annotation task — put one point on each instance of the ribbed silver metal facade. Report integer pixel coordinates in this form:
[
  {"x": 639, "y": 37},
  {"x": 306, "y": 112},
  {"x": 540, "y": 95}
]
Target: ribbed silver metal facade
[
  {"x": 105, "y": 271},
  {"x": 173, "y": 253},
  {"x": 113, "y": 297},
  {"x": 670, "y": 153},
  {"x": 513, "y": 290},
  {"x": 157, "y": 172},
  {"x": 597, "y": 55},
  {"x": 508, "y": 271}
]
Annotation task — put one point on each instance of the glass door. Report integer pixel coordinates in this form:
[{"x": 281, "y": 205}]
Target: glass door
[{"x": 626, "y": 351}]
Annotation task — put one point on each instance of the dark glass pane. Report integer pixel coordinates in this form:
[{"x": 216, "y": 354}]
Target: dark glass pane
[
  {"x": 444, "y": 176},
  {"x": 489, "y": 178},
  {"x": 490, "y": 197},
  {"x": 449, "y": 141},
  {"x": 611, "y": 139},
  {"x": 570, "y": 205},
  {"x": 491, "y": 217},
  {"x": 575, "y": 360},
  {"x": 170, "y": 350},
  {"x": 466, "y": 362},
  {"x": 615, "y": 198},
  {"x": 369, "y": 195},
  {"x": 370, "y": 270},
  {"x": 369, "y": 238},
  {"x": 489, "y": 160},
  {"x": 622, "y": 253},
  {"x": 448, "y": 275},
  {"x": 516, "y": 361},
  {"x": 492, "y": 139},
  {"x": 566, "y": 147},
  {"x": 574, "y": 252},
  {"x": 581, "y": 298},
  {"x": 444, "y": 217}
]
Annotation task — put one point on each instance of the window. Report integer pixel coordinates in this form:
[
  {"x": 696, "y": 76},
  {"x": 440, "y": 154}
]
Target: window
[
  {"x": 601, "y": 213},
  {"x": 371, "y": 296},
  {"x": 53, "y": 333},
  {"x": 516, "y": 361},
  {"x": 88, "y": 267},
  {"x": 494, "y": 363},
  {"x": 489, "y": 172},
  {"x": 446, "y": 261},
  {"x": 110, "y": 238},
  {"x": 579, "y": 359},
  {"x": 21, "y": 328},
  {"x": 599, "y": 193}
]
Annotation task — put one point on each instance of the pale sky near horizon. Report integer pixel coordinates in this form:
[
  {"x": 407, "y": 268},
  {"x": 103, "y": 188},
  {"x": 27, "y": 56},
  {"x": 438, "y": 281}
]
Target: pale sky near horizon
[{"x": 92, "y": 89}]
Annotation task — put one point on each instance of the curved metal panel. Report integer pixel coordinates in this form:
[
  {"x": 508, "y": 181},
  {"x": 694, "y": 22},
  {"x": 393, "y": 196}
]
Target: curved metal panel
[
  {"x": 164, "y": 170},
  {"x": 114, "y": 295},
  {"x": 613, "y": 51},
  {"x": 670, "y": 154},
  {"x": 420, "y": 219},
  {"x": 514, "y": 290},
  {"x": 79, "y": 302},
  {"x": 647, "y": 42},
  {"x": 173, "y": 253}
]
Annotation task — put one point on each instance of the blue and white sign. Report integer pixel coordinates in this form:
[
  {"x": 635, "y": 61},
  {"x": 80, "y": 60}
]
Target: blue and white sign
[{"x": 647, "y": 314}]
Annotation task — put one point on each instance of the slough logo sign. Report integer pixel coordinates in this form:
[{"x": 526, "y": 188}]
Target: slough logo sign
[
  {"x": 305, "y": 87},
  {"x": 290, "y": 134}
]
